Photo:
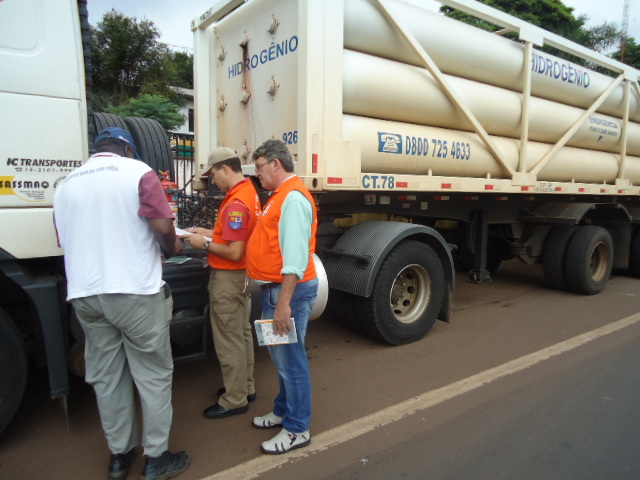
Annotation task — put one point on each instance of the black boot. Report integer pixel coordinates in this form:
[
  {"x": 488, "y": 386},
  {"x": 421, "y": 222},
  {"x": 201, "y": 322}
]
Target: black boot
[
  {"x": 120, "y": 464},
  {"x": 167, "y": 465}
]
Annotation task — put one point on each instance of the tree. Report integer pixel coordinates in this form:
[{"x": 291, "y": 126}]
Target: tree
[
  {"x": 151, "y": 106},
  {"x": 602, "y": 38},
  {"x": 552, "y": 15},
  {"x": 631, "y": 55},
  {"x": 179, "y": 67},
  {"x": 126, "y": 56}
]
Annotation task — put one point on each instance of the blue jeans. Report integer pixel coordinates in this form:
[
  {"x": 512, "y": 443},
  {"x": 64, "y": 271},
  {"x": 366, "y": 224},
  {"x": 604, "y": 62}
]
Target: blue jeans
[{"x": 293, "y": 403}]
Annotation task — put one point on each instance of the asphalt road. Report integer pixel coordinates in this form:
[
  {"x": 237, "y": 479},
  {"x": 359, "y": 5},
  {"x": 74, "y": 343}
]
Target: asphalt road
[
  {"x": 461, "y": 403},
  {"x": 571, "y": 417}
]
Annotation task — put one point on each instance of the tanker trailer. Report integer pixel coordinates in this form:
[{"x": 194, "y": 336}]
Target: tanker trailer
[{"x": 429, "y": 144}]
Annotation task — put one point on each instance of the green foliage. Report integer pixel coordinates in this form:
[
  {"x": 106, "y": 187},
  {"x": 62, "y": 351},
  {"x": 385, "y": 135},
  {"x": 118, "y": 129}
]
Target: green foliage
[
  {"x": 129, "y": 61},
  {"x": 602, "y": 38},
  {"x": 631, "y": 53},
  {"x": 553, "y": 16},
  {"x": 179, "y": 68},
  {"x": 151, "y": 106},
  {"x": 125, "y": 55}
]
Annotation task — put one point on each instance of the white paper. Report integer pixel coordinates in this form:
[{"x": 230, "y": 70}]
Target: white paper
[
  {"x": 266, "y": 335},
  {"x": 180, "y": 232}
]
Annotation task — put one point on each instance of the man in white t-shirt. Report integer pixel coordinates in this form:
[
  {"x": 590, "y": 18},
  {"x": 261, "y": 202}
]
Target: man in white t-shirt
[{"x": 113, "y": 219}]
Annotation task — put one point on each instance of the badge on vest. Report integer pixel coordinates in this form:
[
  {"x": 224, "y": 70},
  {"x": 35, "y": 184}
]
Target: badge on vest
[{"x": 235, "y": 220}]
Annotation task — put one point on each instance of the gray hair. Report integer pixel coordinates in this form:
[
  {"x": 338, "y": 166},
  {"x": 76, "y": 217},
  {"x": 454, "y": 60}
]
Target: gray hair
[{"x": 275, "y": 149}]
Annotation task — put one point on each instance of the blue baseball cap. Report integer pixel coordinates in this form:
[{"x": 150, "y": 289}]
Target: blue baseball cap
[{"x": 118, "y": 134}]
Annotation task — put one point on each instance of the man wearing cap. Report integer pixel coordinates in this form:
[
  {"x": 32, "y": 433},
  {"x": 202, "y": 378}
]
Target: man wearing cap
[
  {"x": 113, "y": 220},
  {"x": 229, "y": 287}
]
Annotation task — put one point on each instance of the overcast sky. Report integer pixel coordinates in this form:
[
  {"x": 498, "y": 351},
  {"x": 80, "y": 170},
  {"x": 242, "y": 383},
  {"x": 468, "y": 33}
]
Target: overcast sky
[{"x": 173, "y": 18}]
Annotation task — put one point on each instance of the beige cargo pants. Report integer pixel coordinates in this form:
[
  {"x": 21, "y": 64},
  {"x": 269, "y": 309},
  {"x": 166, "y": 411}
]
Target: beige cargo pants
[{"x": 230, "y": 302}]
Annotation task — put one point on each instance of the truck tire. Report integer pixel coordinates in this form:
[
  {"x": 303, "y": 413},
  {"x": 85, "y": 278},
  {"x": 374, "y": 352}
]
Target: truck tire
[
  {"x": 341, "y": 305},
  {"x": 152, "y": 142},
  {"x": 554, "y": 255},
  {"x": 104, "y": 120},
  {"x": 406, "y": 297},
  {"x": 13, "y": 369},
  {"x": 589, "y": 260},
  {"x": 634, "y": 255}
]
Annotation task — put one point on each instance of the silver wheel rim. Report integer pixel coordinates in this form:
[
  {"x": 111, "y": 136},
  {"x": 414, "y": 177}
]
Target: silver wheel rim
[
  {"x": 410, "y": 294},
  {"x": 599, "y": 264}
]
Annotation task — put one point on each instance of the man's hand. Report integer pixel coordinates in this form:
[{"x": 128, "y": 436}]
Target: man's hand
[
  {"x": 282, "y": 319},
  {"x": 202, "y": 231},
  {"x": 282, "y": 313},
  {"x": 196, "y": 240}
]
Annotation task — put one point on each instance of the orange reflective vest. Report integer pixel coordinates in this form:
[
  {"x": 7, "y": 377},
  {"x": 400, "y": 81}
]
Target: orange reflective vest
[
  {"x": 246, "y": 193},
  {"x": 264, "y": 258}
]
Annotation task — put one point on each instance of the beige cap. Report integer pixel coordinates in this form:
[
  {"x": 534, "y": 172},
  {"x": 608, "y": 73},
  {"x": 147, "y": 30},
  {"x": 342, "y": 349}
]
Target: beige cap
[{"x": 217, "y": 155}]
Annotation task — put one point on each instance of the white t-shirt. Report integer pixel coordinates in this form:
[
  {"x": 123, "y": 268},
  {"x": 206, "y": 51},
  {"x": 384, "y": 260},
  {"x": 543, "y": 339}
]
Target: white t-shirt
[{"x": 109, "y": 247}]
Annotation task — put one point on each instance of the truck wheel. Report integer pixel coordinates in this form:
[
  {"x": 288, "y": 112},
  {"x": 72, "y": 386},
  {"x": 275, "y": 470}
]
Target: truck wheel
[
  {"x": 406, "y": 296},
  {"x": 13, "y": 369},
  {"x": 634, "y": 255},
  {"x": 341, "y": 306},
  {"x": 152, "y": 142},
  {"x": 104, "y": 120},
  {"x": 554, "y": 255},
  {"x": 589, "y": 260}
]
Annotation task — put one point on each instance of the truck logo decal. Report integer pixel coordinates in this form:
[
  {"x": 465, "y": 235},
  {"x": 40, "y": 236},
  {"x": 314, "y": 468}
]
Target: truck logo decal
[
  {"x": 273, "y": 52},
  {"x": 389, "y": 142},
  {"x": 29, "y": 190}
]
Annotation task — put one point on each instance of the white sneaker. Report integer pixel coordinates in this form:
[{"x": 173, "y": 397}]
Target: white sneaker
[
  {"x": 285, "y": 441},
  {"x": 270, "y": 420}
]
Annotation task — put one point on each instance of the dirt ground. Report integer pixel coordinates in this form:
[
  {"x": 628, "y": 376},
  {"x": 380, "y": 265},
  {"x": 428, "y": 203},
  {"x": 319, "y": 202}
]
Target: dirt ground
[{"x": 353, "y": 375}]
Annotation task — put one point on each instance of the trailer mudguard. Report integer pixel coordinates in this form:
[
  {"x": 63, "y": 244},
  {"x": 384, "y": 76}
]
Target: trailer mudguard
[
  {"x": 42, "y": 290},
  {"x": 353, "y": 263}
]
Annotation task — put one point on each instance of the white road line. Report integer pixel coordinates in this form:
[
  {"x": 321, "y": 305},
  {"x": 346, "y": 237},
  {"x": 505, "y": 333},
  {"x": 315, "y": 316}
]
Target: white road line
[{"x": 361, "y": 426}]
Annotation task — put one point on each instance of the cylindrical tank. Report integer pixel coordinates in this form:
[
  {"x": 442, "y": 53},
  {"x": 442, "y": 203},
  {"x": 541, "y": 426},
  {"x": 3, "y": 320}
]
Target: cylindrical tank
[
  {"x": 417, "y": 98},
  {"x": 463, "y": 51},
  {"x": 402, "y": 148}
]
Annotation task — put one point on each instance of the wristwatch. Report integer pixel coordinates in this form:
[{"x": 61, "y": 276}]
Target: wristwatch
[{"x": 205, "y": 247}]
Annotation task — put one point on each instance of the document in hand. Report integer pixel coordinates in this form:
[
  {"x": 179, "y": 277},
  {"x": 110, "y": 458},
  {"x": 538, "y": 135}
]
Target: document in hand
[{"x": 266, "y": 335}]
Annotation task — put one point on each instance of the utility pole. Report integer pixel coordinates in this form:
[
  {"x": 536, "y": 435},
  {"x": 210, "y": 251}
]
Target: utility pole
[{"x": 625, "y": 26}]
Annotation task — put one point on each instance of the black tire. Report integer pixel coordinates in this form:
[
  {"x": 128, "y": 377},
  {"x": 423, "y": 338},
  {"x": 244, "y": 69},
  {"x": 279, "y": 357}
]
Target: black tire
[
  {"x": 589, "y": 260},
  {"x": 634, "y": 255},
  {"x": 104, "y": 120},
  {"x": 153, "y": 144},
  {"x": 406, "y": 297},
  {"x": 13, "y": 369},
  {"x": 341, "y": 305},
  {"x": 554, "y": 255}
]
